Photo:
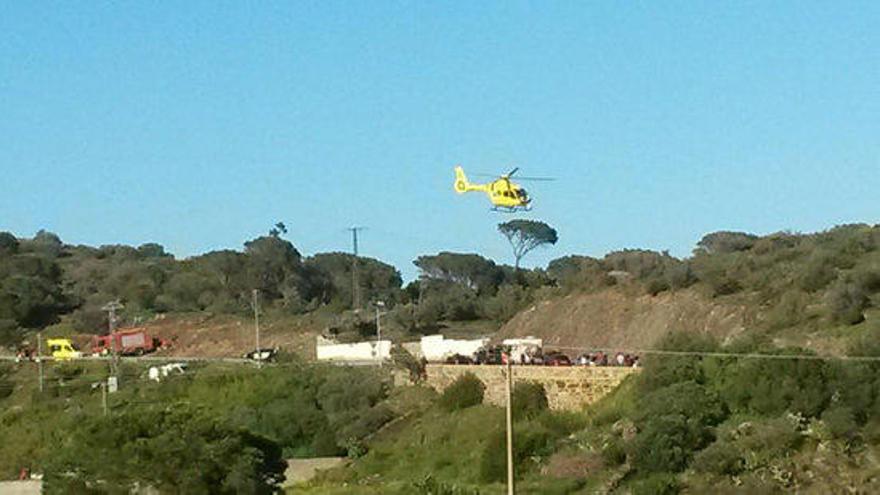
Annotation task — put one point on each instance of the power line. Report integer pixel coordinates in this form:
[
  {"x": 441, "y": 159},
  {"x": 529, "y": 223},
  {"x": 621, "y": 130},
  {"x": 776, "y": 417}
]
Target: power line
[{"x": 732, "y": 355}]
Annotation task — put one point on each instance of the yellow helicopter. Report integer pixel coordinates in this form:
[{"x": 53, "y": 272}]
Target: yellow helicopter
[{"x": 505, "y": 195}]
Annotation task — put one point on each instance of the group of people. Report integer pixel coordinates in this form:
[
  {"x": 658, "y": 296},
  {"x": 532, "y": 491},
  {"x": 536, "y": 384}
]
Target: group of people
[{"x": 600, "y": 358}]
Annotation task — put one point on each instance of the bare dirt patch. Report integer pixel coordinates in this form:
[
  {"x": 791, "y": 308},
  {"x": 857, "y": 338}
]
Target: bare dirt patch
[{"x": 614, "y": 319}]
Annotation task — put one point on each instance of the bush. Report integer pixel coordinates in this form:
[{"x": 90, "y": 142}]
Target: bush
[
  {"x": 656, "y": 484},
  {"x": 847, "y": 301},
  {"x": 841, "y": 422},
  {"x": 720, "y": 458},
  {"x": 466, "y": 391},
  {"x": 532, "y": 441},
  {"x": 209, "y": 455},
  {"x": 674, "y": 422},
  {"x": 613, "y": 452},
  {"x": 528, "y": 400}
]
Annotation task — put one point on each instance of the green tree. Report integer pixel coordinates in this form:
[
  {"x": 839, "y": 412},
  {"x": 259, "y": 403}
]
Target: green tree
[
  {"x": 726, "y": 242},
  {"x": 173, "y": 449},
  {"x": 526, "y": 235},
  {"x": 8, "y": 243}
]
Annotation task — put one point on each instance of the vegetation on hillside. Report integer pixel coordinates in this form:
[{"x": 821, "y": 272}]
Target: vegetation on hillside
[
  {"x": 807, "y": 281},
  {"x": 211, "y": 430}
]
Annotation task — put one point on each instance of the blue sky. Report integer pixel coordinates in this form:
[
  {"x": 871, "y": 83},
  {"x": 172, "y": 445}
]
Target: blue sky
[{"x": 199, "y": 124}]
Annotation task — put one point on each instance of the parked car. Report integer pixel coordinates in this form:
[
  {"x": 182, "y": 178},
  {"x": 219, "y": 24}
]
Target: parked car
[
  {"x": 556, "y": 359},
  {"x": 265, "y": 354},
  {"x": 491, "y": 355},
  {"x": 459, "y": 359}
]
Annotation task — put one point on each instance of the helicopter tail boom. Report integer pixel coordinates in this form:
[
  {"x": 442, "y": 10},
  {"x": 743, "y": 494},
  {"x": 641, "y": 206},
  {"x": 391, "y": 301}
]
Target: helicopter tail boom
[{"x": 462, "y": 185}]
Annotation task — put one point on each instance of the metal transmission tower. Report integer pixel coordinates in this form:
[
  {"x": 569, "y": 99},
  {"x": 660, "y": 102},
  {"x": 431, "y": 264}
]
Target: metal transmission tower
[{"x": 355, "y": 282}]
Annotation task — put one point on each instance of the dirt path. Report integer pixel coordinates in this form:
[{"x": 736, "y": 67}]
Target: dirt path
[{"x": 302, "y": 470}]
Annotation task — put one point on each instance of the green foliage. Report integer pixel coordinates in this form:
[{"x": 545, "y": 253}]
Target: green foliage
[
  {"x": 774, "y": 386},
  {"x": 655, "y": 484},
  {"x": 470, "y": 270},
  {"x": 170, "y": 449},
  {"x": 847, "y": 300},
  {"x": 405, "y": 360},
  {"x": 8, "y": 244},
  {"x": 614, "y": 452},
  {"x": 431, "y": 486},
  {"x": 526, "y": 235},
  {"x": 673, "y": 422},
  {"x": 726, "y": 242},
  {"x": 528, "y": 400},
  {"x": 466, "y": 391},
  {"x": 721, "y": 458},
  {"x": 535, "y": 440},
  {"x": 376, "y": 280},
  {"x": 841, "y": 422}
]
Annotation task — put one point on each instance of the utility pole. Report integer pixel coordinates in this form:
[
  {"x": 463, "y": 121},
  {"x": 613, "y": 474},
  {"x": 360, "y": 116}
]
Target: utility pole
[
  {"x": 379, "y": 306},
  {"x": 355, "y": 283},
  {"x": 40, "y": 358},
  {"x": 111, "y": 308},
  {"x": 259, "y": 355},
  {"x": 104, "y": 397},
  {"x": 510, "y": 489}
]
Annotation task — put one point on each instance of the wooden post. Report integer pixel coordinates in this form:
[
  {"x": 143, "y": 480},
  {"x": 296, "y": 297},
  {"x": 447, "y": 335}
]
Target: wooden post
[
  {"x": 104, "y": 396},
  {"x": 510, "y": 487},
  {"x": 40, "y": 358}
]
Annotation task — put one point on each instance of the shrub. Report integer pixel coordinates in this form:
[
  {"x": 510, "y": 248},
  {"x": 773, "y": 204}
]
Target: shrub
[
  {"x": 209, "y": 455},
  {"x": 613, "y": 452},
  {"x": 719, "y": 458},
  {"x": 847, "y": 301},
  {"x": 774, "y": 386},
  {"x": 532, "y": 440},
  {"x": 766, "y": 440},
  {"x": 841, "y": 422},
  {"x": 674, "y": 422},
  {"x": 528, "y": 400},
  {"x": 430, "y": 486},
  {"x": 656, "y": 484},
  {"x": 466, "y": 391}
]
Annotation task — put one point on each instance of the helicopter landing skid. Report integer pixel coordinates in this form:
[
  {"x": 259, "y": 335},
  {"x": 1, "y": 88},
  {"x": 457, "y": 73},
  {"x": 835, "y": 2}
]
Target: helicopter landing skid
[{"x": 514, "y": 209}]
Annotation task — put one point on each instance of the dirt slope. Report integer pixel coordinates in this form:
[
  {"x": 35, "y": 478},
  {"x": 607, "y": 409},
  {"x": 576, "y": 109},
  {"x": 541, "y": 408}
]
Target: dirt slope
[
  {"x": 614, "y": 319},
  {"x": 229, "y": 336}
]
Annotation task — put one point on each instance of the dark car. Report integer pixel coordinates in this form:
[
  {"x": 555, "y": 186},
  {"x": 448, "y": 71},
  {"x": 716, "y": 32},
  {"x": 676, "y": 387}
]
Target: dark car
[
  {"x": 459, "y": 359},
  {"x": 556, "y": 359},
  {"x": 491, "y": 355}
]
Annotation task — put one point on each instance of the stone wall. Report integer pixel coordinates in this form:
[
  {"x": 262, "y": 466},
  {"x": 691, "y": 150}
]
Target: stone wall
[{"x": 567, "y": 387}]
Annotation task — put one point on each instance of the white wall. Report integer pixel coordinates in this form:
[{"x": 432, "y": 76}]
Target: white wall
[
  {"x": 436, "y": 348},
  {"x": 327, "y": 350}
]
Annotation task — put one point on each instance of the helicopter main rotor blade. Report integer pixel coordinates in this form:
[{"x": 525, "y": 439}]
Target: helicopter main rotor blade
[
  {"x": 510, "y": 174},
  {"x": 537, "y": 179}
]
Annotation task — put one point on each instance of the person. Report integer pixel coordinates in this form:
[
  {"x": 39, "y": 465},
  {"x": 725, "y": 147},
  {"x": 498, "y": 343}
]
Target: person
[{"x": 619, "y": 359}]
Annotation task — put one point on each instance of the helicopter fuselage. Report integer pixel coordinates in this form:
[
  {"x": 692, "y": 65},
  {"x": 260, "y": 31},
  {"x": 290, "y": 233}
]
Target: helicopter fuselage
[{"x": 504, "y": 194}]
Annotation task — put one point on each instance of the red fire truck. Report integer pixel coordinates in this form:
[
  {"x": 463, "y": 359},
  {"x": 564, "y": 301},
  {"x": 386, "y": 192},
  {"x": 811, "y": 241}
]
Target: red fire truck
[{"x": 133, "y": 341}]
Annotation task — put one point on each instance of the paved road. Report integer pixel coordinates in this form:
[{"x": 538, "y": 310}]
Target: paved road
[{"x": 21, "y": 487}]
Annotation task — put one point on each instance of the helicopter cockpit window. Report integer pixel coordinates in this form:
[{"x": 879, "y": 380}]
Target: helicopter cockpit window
[{"x": 521, "y": 193}]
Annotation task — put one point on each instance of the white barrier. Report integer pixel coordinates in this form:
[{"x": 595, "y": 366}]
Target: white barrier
[
  {"x": 327, "y": 350},
  {"x": 436, "y": 348}
]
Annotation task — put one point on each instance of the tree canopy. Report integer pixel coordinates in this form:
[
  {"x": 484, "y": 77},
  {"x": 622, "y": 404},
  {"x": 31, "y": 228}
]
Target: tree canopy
[{"x": 526, "y": 235}]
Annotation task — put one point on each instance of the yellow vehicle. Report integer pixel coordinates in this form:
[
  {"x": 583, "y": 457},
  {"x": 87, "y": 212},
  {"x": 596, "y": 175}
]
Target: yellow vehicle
[
  {"x": 62, "y": 349},
  {"x": 505, "y": 195}
]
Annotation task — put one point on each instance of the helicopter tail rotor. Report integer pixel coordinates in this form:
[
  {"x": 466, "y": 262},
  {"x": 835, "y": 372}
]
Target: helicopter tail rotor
[{"x": 461, "y": 182}]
